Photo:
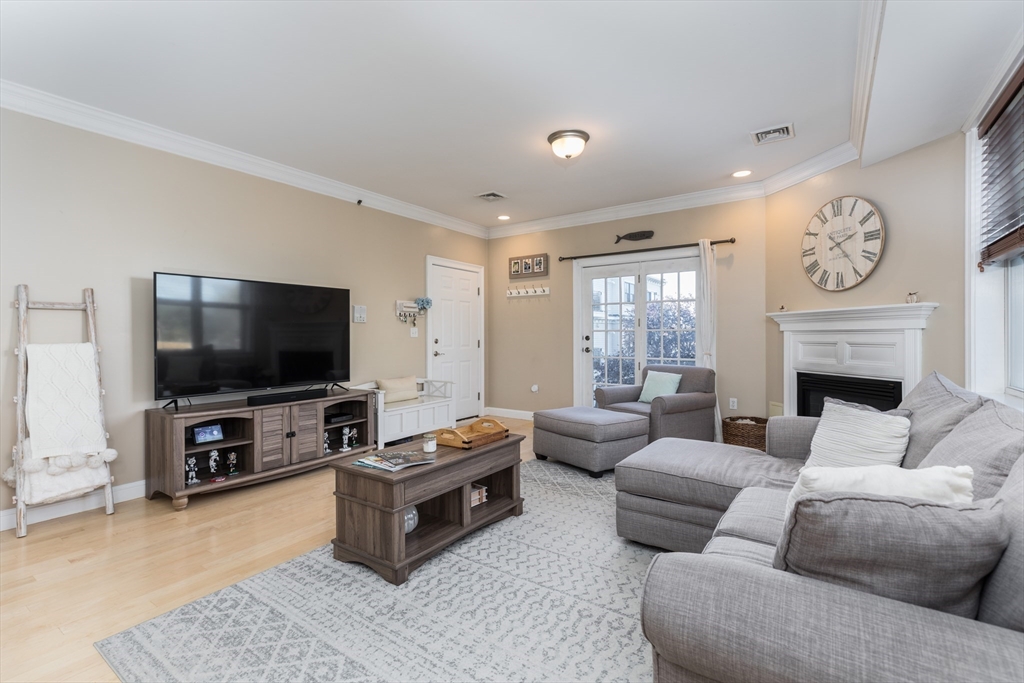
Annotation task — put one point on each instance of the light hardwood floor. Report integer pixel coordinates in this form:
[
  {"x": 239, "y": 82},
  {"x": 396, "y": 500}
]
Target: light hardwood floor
[{"x": 79, "y": 579}]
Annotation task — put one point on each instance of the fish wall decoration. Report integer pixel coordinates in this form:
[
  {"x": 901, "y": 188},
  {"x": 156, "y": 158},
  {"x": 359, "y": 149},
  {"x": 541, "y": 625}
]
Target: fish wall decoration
[{"x": 635, "y": 236}]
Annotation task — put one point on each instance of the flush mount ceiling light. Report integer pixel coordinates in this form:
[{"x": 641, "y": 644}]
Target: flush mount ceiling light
[
  {"x": 741, "y": 174},
  {"x": 502, "y": 218},
  {"x": 568, "y": 143}
]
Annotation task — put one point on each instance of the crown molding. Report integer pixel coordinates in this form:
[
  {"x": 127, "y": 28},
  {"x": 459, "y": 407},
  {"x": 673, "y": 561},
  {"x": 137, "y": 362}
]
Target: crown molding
[
  {"x": 869, "y": 37},
  {"x": 1008, "y": 65},
  {"x": 33, "y": 102},
  {"x": 816, "y": 165},
  {"x": 690, "y": 200}
]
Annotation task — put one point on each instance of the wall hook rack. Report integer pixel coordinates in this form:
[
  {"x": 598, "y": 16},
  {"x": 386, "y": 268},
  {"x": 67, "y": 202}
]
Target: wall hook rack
[{"x": 526, "y": 291}]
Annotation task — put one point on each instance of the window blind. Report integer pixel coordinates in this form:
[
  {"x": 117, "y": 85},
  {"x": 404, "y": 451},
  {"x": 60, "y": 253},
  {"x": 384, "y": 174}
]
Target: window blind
[{"x": 1002, "y": 177}]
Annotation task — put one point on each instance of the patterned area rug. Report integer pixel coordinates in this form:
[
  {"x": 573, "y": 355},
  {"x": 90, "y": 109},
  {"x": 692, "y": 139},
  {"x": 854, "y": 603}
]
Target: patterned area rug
[{"x": 551, "y": 595}]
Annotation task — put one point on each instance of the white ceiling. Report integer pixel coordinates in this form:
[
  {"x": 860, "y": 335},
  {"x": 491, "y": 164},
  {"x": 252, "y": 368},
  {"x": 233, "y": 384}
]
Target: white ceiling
[{"x": 432, "y": 103}]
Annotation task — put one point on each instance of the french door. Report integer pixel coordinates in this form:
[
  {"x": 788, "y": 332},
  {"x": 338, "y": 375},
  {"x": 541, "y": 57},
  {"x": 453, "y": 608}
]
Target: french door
[{"x": 633, "y": 315}]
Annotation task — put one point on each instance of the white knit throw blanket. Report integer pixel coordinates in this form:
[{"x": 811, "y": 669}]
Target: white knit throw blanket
[{"x": 63, "y": 409}]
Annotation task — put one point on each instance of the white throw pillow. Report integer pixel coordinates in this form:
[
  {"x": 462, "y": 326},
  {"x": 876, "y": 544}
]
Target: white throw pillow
[
  {"x": 398, "y": 389},
  {"x": 939, "y": 484},
  {"x": 848, "y": 437}
]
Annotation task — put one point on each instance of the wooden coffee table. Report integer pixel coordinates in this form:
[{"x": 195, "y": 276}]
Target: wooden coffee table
[{"x": 371, "y": 504}]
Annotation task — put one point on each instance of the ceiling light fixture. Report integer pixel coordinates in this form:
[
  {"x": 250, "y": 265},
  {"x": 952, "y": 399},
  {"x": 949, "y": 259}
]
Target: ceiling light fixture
[
  {"x": 502, "y": 218},
  {"x": 741, "y": 174},
  {"x": 568, "y": 143}
]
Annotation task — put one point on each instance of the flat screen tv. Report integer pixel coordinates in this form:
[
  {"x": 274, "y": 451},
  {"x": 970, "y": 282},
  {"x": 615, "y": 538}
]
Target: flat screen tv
[{"x": 217, "y": 336}]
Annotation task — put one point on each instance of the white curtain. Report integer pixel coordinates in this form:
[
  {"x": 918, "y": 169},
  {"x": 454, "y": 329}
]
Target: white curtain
[{"x": 707, "y": 310}]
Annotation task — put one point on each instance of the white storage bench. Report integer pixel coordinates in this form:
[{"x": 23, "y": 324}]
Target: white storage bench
[{"x": 434, "y": 409}]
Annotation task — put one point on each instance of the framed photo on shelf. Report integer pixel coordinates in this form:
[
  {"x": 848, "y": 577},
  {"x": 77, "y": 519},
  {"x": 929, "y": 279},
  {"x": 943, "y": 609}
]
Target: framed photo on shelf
[{"x": 532, "y": 266}]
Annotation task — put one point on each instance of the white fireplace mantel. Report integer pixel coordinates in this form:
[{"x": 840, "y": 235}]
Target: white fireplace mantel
[{"x": 879, "y": 342}]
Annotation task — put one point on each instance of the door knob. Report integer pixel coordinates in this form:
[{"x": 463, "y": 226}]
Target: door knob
[
  {"x": 586, "y": 349},
  {"x": 438, "y": 353}
]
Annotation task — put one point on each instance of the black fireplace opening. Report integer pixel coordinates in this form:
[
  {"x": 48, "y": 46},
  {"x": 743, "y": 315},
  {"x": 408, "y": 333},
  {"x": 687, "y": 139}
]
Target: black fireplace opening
[{"x": 812, "y": 389}]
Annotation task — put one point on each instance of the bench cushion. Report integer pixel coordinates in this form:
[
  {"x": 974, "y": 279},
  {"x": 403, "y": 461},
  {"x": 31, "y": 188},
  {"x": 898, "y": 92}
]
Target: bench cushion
[
  {"x": 701, "y": 473},
  {"x": 590, "y": 424}
]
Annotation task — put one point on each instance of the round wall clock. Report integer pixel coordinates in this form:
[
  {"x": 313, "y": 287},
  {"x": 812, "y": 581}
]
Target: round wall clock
[{"x": 842, "y": 243}]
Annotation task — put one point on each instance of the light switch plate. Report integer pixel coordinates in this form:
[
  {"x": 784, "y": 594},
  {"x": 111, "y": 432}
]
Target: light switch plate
[
  {"x": 359, "y": 314},
  {"x": 414, "y": 331}
]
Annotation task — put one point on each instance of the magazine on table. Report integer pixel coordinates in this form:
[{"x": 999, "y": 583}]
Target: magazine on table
[{"x": 393, "y": 462}]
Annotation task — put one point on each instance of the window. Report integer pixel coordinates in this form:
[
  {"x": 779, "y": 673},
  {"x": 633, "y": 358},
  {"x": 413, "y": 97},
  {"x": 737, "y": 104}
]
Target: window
[{"x": 995, "y": 333}]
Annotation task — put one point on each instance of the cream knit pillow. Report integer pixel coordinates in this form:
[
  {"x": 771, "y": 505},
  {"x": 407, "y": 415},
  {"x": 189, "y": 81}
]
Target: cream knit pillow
[
  {"x": 398, "y": 389},
  {"x": 849, "y": 437}
]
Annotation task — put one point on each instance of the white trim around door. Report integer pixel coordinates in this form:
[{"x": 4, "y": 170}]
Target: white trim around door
[
  {"x": 581, "y": 363},
  {"x": 433, "y": 261}
]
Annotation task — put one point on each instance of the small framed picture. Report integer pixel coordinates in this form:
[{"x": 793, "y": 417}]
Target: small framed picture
[{"x": 532, "y": 266}]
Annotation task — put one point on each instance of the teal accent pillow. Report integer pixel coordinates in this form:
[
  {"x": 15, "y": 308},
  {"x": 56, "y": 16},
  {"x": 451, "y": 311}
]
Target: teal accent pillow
[{"x": 659, "y": 384}]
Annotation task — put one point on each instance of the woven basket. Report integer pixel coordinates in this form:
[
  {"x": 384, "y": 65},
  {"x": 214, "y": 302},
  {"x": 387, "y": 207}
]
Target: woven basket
[{"x": 747, "y": 435}]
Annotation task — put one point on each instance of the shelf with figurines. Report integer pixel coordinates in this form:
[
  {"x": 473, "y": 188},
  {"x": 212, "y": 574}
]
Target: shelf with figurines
[
  {"x": 216, "y": 465},
  {"x": 350, "y": 436}
]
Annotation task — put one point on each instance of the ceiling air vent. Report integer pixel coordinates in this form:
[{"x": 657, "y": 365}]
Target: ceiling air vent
[
  {"x": 491, "y": 196},
  {"x": 773, "y": 134}
]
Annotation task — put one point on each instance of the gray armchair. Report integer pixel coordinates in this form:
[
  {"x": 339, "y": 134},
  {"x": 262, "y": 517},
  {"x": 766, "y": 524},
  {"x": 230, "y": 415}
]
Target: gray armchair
[{"x": 688, "y": 414}]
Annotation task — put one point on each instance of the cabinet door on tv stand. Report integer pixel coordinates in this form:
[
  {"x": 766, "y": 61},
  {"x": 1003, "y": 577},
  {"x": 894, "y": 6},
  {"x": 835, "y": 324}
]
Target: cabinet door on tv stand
[
  {"x": 273, "y": 446},
  {"x": 307, "y": 427}
]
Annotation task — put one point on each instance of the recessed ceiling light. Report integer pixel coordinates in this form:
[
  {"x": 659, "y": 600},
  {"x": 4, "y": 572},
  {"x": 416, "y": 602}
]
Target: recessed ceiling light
[
  {"x": 741, "y": 174},
  {"x": 502, "y": 218}
]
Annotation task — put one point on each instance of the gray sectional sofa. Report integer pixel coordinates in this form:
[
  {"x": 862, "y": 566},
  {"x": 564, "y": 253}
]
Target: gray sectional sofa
[{"x": 723, "y": 609}]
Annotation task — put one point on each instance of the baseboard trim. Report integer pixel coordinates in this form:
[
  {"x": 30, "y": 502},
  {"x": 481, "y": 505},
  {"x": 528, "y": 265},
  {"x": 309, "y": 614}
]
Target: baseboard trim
[
  {"x": 90, "y": 501},
  {"x": 505, "y": 412}
]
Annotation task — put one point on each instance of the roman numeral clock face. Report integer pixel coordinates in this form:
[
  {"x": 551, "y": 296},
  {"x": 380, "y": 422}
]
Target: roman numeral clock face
[{"x": 842, "y": 243}]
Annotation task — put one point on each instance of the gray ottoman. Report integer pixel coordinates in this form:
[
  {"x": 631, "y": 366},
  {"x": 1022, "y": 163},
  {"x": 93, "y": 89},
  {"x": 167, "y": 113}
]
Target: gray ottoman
[{"x": 590, "y": 438}]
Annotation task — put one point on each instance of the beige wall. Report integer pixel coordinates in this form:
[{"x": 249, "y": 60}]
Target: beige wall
[
  {"x": 81, "y": 210},
  {"x": 530, "y": 340},
  {"x": 920, "y": 195}
]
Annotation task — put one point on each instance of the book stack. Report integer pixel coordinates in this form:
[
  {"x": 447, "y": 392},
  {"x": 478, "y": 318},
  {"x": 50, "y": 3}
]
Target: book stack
[
  {"x": 478, "y": 495},
  {"x": 394, "y": 461}
]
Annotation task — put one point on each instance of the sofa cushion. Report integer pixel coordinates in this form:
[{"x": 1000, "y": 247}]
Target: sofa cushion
[
  {"x": 1002, "y": 599},
  {"x": 741, "y": 549},
  {"x": 937, "y": 405},
  {"x": 701, "y": 473},
  {"x": 590, "y": 424},
  {"x": 938, "y": 484},
  {"x": 906, "y": 549},
  {"x": 898, "y": 412},
  {"x": 990, "y": 440},
  {"x": 631, "y": 407},
  {"x": 851, "y": 437},
  {"x": 757, "y": 514}
]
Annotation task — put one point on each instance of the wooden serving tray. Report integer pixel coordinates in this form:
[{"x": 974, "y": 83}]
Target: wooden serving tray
[{"x": 473, "y": 435}]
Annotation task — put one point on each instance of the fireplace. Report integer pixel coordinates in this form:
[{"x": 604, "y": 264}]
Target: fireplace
[
  {"x": 812, "y": 389},
  {"x": 880, "y": 346}
]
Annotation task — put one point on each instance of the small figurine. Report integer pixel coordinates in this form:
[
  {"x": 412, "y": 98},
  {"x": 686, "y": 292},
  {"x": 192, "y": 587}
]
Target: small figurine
[
  {"x": 190, "y": 468},
  {"x": 232, "y": 463},
  {"x": 327, "y": 442},
  {"x": 912, "y": 298},
  {"x": 214, "y": 461},
  {"x": 346, "y": 434}
]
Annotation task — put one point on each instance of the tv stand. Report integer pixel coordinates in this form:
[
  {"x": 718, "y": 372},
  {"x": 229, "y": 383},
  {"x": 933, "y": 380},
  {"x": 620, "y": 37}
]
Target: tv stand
[{"x": 268, "y": 442}]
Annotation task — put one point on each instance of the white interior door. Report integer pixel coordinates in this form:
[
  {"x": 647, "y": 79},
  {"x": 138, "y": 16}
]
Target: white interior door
[
  {"x": 633, "y": 315},
  {"x": 455, "y": 333}
]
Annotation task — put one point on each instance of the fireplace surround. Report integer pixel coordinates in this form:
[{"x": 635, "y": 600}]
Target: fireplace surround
[{"x": 873, "y": 342}]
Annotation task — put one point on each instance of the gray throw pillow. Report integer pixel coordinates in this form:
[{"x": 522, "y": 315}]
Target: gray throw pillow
[
  {"x": 898, "y": 412},
  {"x": 1002, "y": 599},
  {"x": 938, "y": 405},
  {"x": 907, "y": 549},
  {"x": 990, "y": 440}
]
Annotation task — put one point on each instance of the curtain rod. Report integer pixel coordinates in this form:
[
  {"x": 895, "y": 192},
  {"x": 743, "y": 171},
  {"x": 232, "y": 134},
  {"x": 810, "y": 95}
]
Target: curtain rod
[{"x": 731, "y": 240}]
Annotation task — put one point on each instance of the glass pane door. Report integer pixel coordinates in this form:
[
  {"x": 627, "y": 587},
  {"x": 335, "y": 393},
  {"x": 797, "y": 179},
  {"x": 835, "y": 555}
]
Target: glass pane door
[{"x": 636, "y": 314}]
